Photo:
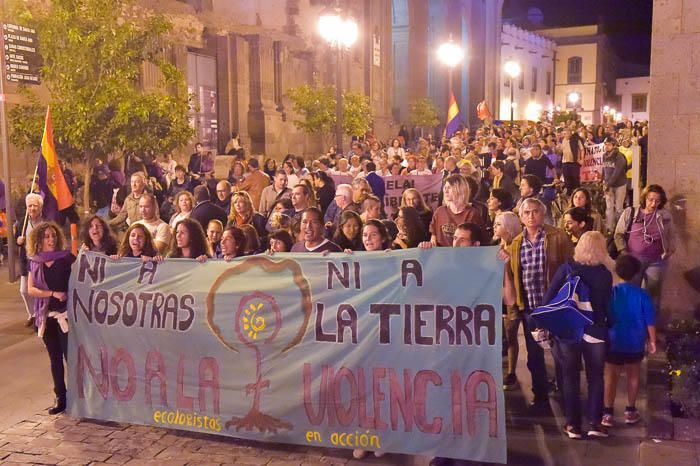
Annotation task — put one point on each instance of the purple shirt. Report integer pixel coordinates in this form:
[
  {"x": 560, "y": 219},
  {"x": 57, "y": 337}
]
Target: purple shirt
[{"x": 645, "y": 238}]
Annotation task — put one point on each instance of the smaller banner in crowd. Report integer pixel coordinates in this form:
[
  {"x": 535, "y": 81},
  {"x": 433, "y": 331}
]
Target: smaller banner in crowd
[
  {"x": 393, "y": 352},
  {"x": 592, "y": 169},
  {"x": 428, "y": 185}
]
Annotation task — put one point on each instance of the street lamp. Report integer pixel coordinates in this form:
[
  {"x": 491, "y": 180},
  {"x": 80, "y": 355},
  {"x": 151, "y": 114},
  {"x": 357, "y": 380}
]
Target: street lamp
[
  {"x": 574, "y": 98},
  {"x": 451, "y": 55},
  {"x": 512, "y": 69},
  {"x": 340, "y": 32}
]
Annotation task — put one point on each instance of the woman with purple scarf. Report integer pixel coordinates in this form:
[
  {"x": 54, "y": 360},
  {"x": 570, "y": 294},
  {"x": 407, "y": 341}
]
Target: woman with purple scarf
[{"x": 49, "y": 271}]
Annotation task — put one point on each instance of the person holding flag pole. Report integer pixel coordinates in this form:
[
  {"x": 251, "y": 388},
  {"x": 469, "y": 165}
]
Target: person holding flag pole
[{"x": 55, "y": 196}]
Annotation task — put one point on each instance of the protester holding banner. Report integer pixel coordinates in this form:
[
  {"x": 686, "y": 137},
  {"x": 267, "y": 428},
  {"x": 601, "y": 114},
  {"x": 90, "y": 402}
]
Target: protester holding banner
[
  {"x": 50, "y": 269},
  {"x": 97, "y": 237},
  {"x": 456, "y": 210},
  {"x": 348, "y": 235},
  {"x": 411, "y": 229},
  {"x": 189, "y": 241},
  {"x": 233, "y": 243},
  {"x": 280, "y": 241},
  {"x": 138, "y": 242},
  {"x": 588, "y": 264},
  {"x": 312, "y": 229}
]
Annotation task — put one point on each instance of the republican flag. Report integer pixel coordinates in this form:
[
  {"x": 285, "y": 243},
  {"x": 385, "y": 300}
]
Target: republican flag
[
  {"x": 51, "y": 182},
  {"x": 453, "y": 119}
]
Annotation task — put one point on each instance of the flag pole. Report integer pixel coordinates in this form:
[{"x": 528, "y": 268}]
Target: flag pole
[{"x": 31, "y": 190}]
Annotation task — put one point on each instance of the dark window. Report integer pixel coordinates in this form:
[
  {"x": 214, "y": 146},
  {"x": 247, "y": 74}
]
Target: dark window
[
  {"x": 574, "y": 70},
  {"x": 548, "y": 86},
  {"x": 639, "y": 102},
  {"x": 521, "y": 84},
  {"x": 534, "y": 79}
]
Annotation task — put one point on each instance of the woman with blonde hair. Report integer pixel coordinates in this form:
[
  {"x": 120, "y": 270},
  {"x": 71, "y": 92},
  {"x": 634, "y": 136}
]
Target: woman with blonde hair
[
  {"x": 506, "y": 226},
  {"x": 47, "y": 283},
  {"x": 243, "y": 213},
  {"x": 455, "y": 211},
  {"x": 184, "y": 203},
  {"x": 589, "y": 264}
]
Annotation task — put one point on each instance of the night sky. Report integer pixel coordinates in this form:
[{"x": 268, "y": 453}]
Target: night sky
[{"x": 627, "y": 23}]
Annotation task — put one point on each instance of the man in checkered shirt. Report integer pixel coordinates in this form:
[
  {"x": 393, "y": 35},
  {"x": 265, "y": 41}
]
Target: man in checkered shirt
[{"x": 535, "y": 255}]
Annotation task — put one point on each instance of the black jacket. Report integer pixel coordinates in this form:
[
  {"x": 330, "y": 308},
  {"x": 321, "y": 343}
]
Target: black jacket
[{"x": 206, "y": 211}]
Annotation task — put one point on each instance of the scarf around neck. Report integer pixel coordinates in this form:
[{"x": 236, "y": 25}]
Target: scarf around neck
[{"x": 36, "y": 268}]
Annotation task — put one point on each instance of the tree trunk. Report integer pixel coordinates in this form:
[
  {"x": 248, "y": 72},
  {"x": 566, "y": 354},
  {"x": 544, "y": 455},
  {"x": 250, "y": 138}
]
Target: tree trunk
[{"x": 89, "y": 159}]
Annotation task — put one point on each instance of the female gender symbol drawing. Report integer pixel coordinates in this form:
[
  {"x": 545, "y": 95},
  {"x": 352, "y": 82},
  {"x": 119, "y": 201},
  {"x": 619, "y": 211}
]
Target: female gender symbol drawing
[{"x": 258, "y": 320}]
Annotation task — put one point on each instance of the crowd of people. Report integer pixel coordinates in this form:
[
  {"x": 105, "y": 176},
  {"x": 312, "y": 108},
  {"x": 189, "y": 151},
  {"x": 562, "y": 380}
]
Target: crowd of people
[{"x": 498, "y": 188}]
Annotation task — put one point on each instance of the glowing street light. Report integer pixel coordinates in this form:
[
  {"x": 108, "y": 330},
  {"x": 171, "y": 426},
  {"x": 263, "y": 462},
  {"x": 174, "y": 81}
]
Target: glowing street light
[
  {"x": 513, "y": 70},
  {"x": 450, "y": 53},
  {"x": 341, "y": 32},
  {"x": 574, "y": 98}
]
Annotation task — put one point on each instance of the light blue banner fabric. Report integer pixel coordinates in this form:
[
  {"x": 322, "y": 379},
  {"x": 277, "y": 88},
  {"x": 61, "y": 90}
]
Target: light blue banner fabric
[{"x": 394, "y": 351}]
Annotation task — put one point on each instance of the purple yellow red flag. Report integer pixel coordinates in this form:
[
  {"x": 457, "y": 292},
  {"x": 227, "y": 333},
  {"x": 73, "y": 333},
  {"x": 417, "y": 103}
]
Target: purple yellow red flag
[
  {"x": 453, "y": 119},
  {"x": 52, "y": 183}
]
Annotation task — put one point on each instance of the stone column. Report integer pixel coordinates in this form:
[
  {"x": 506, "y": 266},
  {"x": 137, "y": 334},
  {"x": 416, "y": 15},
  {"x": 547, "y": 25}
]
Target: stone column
[{"x": 674, "y": 140}]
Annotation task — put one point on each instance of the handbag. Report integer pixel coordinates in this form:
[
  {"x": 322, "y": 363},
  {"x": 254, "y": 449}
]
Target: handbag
[
  {"x": 569, "y": 313},
  {"x": 612, "y": 247}
]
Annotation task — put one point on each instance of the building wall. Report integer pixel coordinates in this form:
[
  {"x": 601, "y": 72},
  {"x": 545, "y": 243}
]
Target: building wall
[
  {"x": 674, "y": 140},
  {"x": 625, "y": 88},
  {"x": 588, "y": 86},
  {"x": 529, "y": 50}
]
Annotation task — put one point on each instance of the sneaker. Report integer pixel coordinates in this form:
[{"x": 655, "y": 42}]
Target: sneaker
[
  {"x": 358, "y": 454},
  {"x": 573, "y": 432},
  {"x": 379, "y": 454},
  {"x": 598, "y": 431},
  {"x": 632, "y": 417},
  {"x": 29, "y": 322},
  {"x": 608, "y": 420},
  {"x": 539, "y": 407},
  {"x": 510, "y": 382}
]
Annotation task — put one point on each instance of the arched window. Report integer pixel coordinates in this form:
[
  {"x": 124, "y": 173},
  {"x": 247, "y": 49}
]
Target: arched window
[{"x": 575, "y": 67}]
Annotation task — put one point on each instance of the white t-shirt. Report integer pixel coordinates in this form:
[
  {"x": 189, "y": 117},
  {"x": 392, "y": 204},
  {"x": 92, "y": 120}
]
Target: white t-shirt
[{"x": 160, "y": 231}]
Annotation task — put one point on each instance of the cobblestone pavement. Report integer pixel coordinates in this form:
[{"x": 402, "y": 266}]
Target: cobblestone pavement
[{"x": 44, "y": 439}]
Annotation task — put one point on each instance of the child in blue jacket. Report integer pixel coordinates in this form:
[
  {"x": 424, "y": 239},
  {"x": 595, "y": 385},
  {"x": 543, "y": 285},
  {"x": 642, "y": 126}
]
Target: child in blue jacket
[{"x": 631, "y": 320}]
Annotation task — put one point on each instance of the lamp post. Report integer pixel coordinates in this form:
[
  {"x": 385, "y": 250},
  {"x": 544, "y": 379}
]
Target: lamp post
[
  {"x": 574, "y": 98},
  {"x": 512, "y": 69},
  {"x": 340, "y": 32},
  {"x": 451, "y": 55}
]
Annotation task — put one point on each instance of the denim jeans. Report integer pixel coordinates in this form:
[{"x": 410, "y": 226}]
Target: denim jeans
[
  {"x": 614, "y": 203},
  {"x": 568, "y": 354},
  {"x": 535, "y": 362},
  {"x": 650, "y": 277}
]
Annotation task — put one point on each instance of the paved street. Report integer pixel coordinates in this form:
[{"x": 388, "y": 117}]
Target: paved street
[{"x": 29, "y": 435}]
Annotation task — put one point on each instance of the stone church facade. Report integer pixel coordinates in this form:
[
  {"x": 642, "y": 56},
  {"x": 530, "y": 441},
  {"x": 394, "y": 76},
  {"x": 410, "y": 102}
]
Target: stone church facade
[{"x": 241, "y": 57}]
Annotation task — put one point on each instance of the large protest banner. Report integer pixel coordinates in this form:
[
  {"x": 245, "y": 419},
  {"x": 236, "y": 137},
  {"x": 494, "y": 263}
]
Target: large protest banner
[
  {"x": 394, "y": 186},
  {"x": 592, "y": 169},
  {"x": 397, "y": 352}
]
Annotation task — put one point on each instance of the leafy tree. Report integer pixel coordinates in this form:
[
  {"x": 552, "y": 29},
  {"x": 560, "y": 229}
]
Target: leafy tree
[
  {"x": 316, "y": 107},
  {"x": 94, "y": 52},
  {"x": 423, "y": 113},
  {"x": 357, "y": 114}
]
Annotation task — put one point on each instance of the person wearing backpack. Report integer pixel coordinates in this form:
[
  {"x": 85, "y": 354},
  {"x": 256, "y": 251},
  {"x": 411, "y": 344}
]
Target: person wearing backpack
[
  {"x": 590, "y": 257},
  {"x": 648, "y": 234}
]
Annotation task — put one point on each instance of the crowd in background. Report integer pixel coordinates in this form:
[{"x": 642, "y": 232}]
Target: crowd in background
[{"x": 518, "y": 188}]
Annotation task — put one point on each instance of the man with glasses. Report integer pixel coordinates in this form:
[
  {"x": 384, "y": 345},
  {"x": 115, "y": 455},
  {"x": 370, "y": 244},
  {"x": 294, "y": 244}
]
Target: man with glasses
[{"x": 223, "y": 195}]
